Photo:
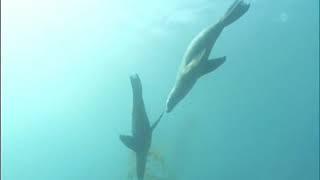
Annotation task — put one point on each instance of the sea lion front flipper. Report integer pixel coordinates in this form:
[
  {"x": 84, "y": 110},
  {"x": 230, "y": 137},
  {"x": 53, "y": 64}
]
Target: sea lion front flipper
[
  {"x": 211, "y": 65},
  {"x": 158, "y": 120},
  {"x": 129, "y": 141},
  {"x": 195, "y": 62}
]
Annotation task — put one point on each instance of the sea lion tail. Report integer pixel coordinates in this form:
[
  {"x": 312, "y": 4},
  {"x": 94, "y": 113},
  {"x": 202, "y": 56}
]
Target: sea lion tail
[{"x": 235, "y": 11}]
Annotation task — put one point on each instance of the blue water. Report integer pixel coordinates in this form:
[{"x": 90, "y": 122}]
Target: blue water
[{"x": 66, "y": 95}]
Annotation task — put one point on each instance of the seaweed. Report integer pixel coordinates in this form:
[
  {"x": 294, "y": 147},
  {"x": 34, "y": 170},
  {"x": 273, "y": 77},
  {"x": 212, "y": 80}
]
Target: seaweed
[{"x": 156, "y": 168}]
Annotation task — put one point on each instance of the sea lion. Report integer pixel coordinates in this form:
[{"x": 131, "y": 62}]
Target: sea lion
[
  {"x": 141, "y": 138},
  {"x": 195, "y": 61}
]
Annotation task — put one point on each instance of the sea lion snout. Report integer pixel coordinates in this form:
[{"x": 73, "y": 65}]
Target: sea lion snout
[{"x": 172, "y": 101}]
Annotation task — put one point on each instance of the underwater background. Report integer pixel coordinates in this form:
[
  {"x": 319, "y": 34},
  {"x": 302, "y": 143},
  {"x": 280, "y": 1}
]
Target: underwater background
[{"x": 66, "y": 94}]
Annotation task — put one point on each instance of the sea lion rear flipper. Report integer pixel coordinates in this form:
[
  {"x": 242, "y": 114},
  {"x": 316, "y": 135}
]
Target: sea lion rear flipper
[
  {"x": 212, "y": 64},
  {"x": 129, "y": 141},
  {"x": 136, "y": 85},
  {"x": 235, "y": 11}
]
